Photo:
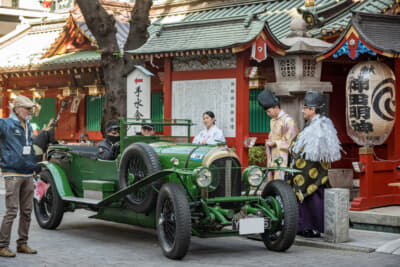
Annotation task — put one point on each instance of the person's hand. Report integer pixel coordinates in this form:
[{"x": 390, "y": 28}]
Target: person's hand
[
  {"x": 37, "y": 169},
  {"x": 115, "y": 148},
  {"x": 270, "y": 143}
]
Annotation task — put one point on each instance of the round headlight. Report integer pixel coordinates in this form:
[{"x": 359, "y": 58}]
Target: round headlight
[
  {"x": 203, "y": 178},
  {"x": 175, "y": 162},
  {"x": 254, "y": 176}
]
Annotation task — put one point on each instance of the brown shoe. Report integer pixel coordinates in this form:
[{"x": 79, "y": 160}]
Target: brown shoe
[
  {"x": 25, "y": 249},
  {"x": 6, "y": 252}
]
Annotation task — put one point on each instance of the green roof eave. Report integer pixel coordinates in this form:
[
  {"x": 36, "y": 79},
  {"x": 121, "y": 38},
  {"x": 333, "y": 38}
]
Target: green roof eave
[
  {"x": 202, "y": 35},
  {"x": 72, "y": 57}
]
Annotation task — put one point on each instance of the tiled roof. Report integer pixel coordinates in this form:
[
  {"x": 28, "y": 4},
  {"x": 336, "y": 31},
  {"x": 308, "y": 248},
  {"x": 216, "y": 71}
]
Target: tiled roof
[
  {"x": 201, "y": 20},
  {"x": 278, "y": 14},
  {"x": 336, "y": 20},
  {"x": 381, "y": 32},
  {"x": 26, "y": 48},
  {"x": 201, "y": 35},
  {"x": 89, "y": 56}
]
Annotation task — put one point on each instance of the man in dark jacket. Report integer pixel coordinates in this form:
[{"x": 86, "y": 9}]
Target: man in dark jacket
[
  {"x": 109, "y": 148},
  {"x": 17, "y": 161},
  {"x": 44, "y": 138}
]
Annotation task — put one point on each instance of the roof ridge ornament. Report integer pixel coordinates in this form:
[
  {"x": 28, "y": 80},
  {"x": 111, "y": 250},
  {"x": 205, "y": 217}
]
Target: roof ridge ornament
[
  {"x": 159, "y": 27},
  {"x": 253, "y": 16}
]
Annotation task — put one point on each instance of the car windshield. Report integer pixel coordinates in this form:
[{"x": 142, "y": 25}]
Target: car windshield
[{"x": 132, "y": 128}]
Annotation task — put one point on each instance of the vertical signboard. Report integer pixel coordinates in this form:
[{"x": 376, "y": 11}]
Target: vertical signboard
[{"x": 138, "y": 96}]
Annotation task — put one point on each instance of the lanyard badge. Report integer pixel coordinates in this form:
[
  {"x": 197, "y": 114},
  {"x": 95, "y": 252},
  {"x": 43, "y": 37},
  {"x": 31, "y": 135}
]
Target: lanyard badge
[{"x": 27, "y": 147}]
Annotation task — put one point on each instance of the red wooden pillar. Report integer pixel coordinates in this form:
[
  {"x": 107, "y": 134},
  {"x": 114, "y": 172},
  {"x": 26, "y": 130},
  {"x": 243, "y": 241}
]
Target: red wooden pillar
[
  {"x": 81, "y": 117},
  {"x": 167, "y": 93},
  {"x": 6, "y": 110},
  {"x": 393, "y": 143},
  {"x": 242, "y": 106},
  {"x": 366, "y": 180}
]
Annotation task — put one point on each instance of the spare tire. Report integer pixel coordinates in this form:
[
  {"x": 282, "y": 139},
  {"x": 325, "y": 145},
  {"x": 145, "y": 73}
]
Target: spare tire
[{"x": 138, "y": 161}]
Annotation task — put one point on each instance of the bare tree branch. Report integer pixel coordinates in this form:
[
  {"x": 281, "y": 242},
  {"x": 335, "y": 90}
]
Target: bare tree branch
[
  {"x": 138, "y": 25},
  {"x": 101, "y": 24}
]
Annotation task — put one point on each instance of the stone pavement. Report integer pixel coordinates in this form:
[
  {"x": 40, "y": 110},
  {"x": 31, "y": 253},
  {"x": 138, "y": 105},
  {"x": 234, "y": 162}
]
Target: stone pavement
[{"x": 360, "y": 240}]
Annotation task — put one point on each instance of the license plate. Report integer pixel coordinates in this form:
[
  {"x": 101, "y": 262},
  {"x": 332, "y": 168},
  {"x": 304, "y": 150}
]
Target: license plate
[{"x": 248, "y": 226}]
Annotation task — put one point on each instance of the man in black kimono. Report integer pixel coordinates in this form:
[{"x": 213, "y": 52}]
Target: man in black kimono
[{"x": 313, "y": 150}]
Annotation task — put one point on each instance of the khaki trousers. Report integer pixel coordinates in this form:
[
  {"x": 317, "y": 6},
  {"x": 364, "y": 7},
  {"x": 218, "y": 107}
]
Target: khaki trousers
[{"x": 19, "y": 192}]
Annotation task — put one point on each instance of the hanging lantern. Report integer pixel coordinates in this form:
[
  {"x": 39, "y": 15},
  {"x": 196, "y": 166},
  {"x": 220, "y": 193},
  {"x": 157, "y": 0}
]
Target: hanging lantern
[
  {"x": 95, "y": 89},
  {"x": 68, "y": 91},
  {"x": 255, "y": 81},
  {"x": 370, "y": 103}
]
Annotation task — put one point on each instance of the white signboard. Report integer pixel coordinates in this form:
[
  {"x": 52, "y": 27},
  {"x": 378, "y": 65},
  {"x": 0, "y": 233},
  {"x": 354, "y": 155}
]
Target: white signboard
[
  {"x": 138, "y": 96},
  {"x": 190, "y": 99}
]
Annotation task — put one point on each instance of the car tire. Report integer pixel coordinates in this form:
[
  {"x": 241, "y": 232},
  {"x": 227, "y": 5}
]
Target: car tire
[
  {"x": 173, "y": 213},
  {"x": 284, "y": 236},
  {"x": 141, "y": 160},
  {"x": 49, "y": 210}
]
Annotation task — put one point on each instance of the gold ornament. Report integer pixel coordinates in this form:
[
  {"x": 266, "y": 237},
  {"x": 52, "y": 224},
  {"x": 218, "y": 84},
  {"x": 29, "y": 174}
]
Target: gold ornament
[
  {"x": 299, "y": 180},
  {"x": 313, "y": 173},
  {"x": 311, "y": 188},
  {"x": 300, "y": 163}
]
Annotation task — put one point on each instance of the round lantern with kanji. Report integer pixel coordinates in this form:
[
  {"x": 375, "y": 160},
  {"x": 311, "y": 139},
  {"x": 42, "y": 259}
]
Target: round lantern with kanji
[{"x": 370, "y": 103}]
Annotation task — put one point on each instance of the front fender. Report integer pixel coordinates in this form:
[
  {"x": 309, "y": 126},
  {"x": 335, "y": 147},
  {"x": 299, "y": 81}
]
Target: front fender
[{"x": 59, "y": 177}]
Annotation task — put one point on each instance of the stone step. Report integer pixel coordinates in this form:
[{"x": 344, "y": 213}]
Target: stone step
[{"x": 385, "y": 219}]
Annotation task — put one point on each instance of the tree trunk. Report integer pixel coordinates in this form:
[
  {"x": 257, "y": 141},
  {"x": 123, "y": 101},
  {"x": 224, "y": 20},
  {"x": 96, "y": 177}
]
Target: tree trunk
[{"x": 115, "y": 66}]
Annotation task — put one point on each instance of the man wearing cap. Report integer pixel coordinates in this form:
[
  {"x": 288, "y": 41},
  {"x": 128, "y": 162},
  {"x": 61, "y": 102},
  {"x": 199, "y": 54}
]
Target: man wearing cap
[
  {"x": 109, "y": 148},
  {"x": 17, "y": 161},
  {"x": 312, "y": 151},
  {"x": 282, "y": 131},
  {"x": 148, "y": 130}
]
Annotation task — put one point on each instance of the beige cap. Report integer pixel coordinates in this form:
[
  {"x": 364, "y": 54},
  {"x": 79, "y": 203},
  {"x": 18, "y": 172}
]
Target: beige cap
[{"x": 23, "y": 101}]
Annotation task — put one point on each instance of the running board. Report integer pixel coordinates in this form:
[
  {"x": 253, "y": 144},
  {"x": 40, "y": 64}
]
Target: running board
[
  {"x": 127, "y": 190},
  {"x": 81, "y": 200},
  {"x": 122, "y": 193}
]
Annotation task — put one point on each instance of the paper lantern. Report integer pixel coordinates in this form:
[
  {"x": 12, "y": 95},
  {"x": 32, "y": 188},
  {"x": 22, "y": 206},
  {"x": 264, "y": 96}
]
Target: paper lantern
[{"x": 370, "y": 103}]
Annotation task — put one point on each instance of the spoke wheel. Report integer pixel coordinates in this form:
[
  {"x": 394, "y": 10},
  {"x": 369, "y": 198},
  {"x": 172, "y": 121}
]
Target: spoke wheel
[
  {"x": 173, "y": 221},
  {"x": 49, "y": 210},
  {"x": 138, "y": 161},
  {"x": 282, "y": 234}
]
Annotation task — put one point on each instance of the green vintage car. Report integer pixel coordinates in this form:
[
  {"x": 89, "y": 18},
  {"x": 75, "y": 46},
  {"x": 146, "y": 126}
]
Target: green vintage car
[{"x": 179, "y": 189}]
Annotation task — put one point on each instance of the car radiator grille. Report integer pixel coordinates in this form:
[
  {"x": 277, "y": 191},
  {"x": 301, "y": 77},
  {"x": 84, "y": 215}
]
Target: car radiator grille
[{"x": 228, "y": 173}]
